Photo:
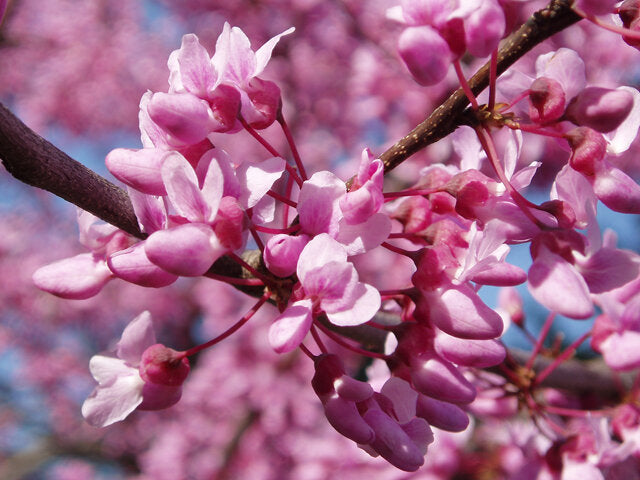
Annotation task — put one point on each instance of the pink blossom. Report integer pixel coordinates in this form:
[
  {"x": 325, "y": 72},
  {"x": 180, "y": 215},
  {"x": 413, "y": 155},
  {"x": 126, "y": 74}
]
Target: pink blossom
[
  {"x": 84, "y": 275},
  {"x": 364, "y": 198},
  {"x": 190, "y": 246},
  {"x": 319, "y": 208},
  {"x": 329, "y": 284},
  {"x": 382, "y": 423},
  {"x": 121, "y": 388}
]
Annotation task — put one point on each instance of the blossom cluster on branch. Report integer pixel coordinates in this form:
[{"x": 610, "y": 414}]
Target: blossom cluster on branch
[{"x": 436, "y": 242}]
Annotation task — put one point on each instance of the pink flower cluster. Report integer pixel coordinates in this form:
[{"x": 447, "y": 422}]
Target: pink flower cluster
[{"x": 197, "y": 203}]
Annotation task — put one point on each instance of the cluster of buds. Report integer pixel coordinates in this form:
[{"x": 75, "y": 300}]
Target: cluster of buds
[{"x": 196, "y": 203}]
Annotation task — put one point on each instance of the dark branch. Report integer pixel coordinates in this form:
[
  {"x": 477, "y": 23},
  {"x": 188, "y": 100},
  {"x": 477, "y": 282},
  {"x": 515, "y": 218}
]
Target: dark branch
[
  {"x": 552, "y": 19},
  {"x": 35, "y": 161}
]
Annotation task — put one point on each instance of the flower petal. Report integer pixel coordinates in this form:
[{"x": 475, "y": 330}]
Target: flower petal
[
  {"x": 290, "y": 328},
  {"x": 77, "y": 278},
  {"x": 135, "y": 339},
  {"x": 187, "y": 250}
]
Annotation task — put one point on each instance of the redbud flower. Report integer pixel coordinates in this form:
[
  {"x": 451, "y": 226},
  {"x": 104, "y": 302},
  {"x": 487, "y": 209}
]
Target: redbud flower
[
  {"x": 602, "y": 109},
  {"x": 425, "y": 53},
  {"x": 141, "y": 375},
  {"x": 84, "y": 275},
  {"x": 330, "y": 284}
]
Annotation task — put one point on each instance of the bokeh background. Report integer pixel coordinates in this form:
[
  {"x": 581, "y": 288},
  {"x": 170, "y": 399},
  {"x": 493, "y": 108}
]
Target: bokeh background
[{"x": 74, "y": 71}]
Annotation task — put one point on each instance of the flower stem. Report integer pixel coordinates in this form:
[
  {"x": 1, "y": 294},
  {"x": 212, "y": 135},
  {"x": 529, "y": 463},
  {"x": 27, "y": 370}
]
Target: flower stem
[{"x": 231, "y": 330}]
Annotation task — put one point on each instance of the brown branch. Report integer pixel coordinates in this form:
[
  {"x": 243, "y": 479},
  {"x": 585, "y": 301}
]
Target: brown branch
[
  {"x": 35, "y": 161},
  {"x": 552, "y": 19}
]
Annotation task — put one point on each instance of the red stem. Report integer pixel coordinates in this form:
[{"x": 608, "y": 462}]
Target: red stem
[{"x": 231, "y": 330}]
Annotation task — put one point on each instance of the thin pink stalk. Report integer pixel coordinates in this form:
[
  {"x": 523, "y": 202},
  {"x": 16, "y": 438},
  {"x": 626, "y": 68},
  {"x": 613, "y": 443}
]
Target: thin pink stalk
[
  {"x": 571, "y": 412},
  {"x": 294, "y": 174},
  {"x": 292, "y": 146},
  {"x": 517, "y": 100},
  {"x": 275, "y": 231},
  {"x": 398, "y": 250},
  {"x": 230, "y": 330},
  {"x": 537, "y": 130},
  {"x": 307, "y": 352},
  {"x": 561, "y": 358},
  {"x": 318, "y": 340},
  {"x": 541, "y": 338},
  {"x": 488, "y": 146},
  {"x": 607, "y": 26},
  {"x": 253, "y": 271},
  {"x": 465, "y": 85},
  {"x": 258, "y": 137},
  {"x": 343, "y": 343},
  {"x": 256, "y": 237},
  {"x": 285, "y": 210},
  {"x": 282, "y": 198}
]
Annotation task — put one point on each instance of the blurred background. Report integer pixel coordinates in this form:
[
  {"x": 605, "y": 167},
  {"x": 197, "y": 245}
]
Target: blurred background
[{"x": 74, "y": 71}]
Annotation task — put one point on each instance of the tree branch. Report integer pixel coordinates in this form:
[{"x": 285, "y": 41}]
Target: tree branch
[
  {"x": 552, "y": 19},
  {"x": 35, "y": 161}
]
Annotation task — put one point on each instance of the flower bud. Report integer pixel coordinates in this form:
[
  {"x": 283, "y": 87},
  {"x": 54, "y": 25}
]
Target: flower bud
[
  {"x": 184, "y": 117},
  {"x": 547, "y": 99},
  {"x": 588, "y": 150},
  {"x": 602, "y": 109},
  {"x": 617, "y": 190},
  {"x": 425, "y": 53},
  {"x": 265, "y": 103},
  {"x": 282, "y": 252},
  {"x": 163, "y": 366},
  {"x": 443, "y": 415},
  {"x": 484, "y": 28},
  {"x": 439, "y": 379}
]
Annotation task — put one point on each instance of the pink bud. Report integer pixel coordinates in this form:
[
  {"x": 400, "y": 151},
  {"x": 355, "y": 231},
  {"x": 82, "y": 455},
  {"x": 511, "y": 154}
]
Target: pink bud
[
  {"x": 265, "y": 102},
  {"x": 562, "y": 211},
  {"x": 139, "y": 169},
  {"x": 602, "y": 109},
  {"x": 393, "y": 443},
  {"x": 157, "y": 397},
  {"x": 437, "y": 378},
  {"x": 414, "y": 214},
  {"x": 547, "y": 100},
  {"x": 282, "y": 252},
  {"x": 471, "y": 353},
  {"x": 453, "y": 33},
  {"x": 328, "y": 368},
  {"x": 617, "y": 190},
  {"x": 588, "y": 149},
  {"x": 132, "y": 265},
  {"x": 343, "y": 415},
  {"x": 425, "y": 53},
  {"x": 163, "y": 366},
  {"x": 185, "y": 117},
  {"x": 443, "y": 415},
  {"x": 484, "y": 28}
]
